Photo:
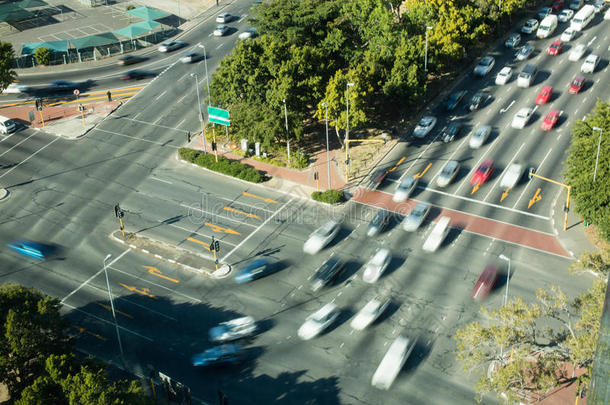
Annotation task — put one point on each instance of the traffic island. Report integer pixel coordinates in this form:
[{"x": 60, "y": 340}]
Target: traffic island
[
  {"x": 3, "y": 194},
  {"x": 198, "y": 263}
]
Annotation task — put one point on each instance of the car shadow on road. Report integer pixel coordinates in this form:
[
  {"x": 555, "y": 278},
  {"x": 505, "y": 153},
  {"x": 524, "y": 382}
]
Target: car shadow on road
[
  {"x": 350, "y": 268},
  {"x": 394, "y": 265},
  {"x": 344, "y": 315}
]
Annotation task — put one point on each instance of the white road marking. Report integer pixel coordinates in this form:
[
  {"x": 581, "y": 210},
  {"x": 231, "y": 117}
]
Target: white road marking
[
  {"x": 161, "y": 180},
  {"x": 19, "y": 143},
  {"x": 416, "y": 160},
  {"x": 165, "y": 144},
  {"x": 160, "y": 95},
  {"x": 529, "y": 182},
  {"x": 29, "y": 157},
  {"x": 503, "y": 110}
]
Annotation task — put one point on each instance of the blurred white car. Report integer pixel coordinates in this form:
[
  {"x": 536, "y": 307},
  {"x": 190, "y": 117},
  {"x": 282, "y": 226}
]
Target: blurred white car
[
  {"x": 318, "y": 321},
  {"x": 171, "y": 46},
  {"x": 437, "y": 236},
  {"x": 376, "y": 265},
  {"x": 504, "y": 75},
  {"x": 392, "y": 362},
  {"x": 607, "y": 15},
  {"x": 424, "y": 126},
  {"x": 369, "y": 313},
  {"x": 249, "y": 33},
  {"x": 416, "y": 217},
  {"x": 577, "y": 53},
  {"x": 446, "y": 176},
  {"x": 321, "y": 237},
  {"x": 224, "y": 18},
  {"x": 522, "y": 117},
  {"x": 191, "y": 57},
  {"x": 220, "y": 30},
  {"x": 478, "y": 138},
  {"x": 16, "y": 88},
  {"x": 590, "y": 63},
  {"x": 565, "y": 15},
  {"x": 512, "y": 175},
  {"x": 233, "y": 330},
  {"x": 405, "y": 188},
  {"x": 568, "y": 35}
]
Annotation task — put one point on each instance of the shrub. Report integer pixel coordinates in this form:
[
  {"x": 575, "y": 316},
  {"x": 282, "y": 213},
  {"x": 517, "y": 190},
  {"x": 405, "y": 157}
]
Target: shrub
[
  {"x": 42, "y": 56},
  {"x": 328, "y": 196},
  {"x": 224, "y": 165}
]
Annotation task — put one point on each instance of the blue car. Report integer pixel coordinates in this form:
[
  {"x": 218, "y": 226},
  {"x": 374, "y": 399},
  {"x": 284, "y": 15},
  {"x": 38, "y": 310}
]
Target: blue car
[
  {"x": 257, "y": 268},
  {"x": 28, "y": 248},
  {"x": 218, "y": 355}
]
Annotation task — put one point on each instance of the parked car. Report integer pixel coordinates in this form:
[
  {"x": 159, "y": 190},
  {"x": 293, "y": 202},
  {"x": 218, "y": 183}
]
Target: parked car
[
  {"x": 424, "y": 126},
  {"x": 256, "y": 269},
  {"x": 511, "y": 176},
  {"x": 576, "y": 85},
  {"x": 483, "y": 172},
  {"x": 454, "y": 100},
  {"x": 232, "y": 330},
  {"x": 525, "y": 52},
  {"x": 504, "y": 75},
  {"x": 378, "y": 223},
  {"x": 224, "y": 18},
  {"x": 544, "y": 95},
  {"x": 555, "y": 48},
  {"x": 590, "y": 63},
  {"x": 485, "y": 282},
  {"x": 231, "y": 353},
  {"x": 321, "y": 237},
  {"x": 318, "y": 321},
  {"x": 478, "y": 100},
  {"x": 415, "y": 218},
  {"x": 130, "y": 60},
  {"x": 28, "y": 248},
  {"x": 522, "y": 117},
  {"x": 448, "y": 173},
  {"x": 171, "y": 46},
  {"x": 565, "y": 15},
  {"x": 220, "y": 30},
  {"x": 327, "y": 272},
  {"x": 550, "y": 120},
  {"x": 577, "y": 52},
  {"x": 405, "y": 188},
  {"x": 478, "y": 138},
  {"x": 530, "y": 26},
  {"x": 513, "y": 40},
  {"x": 484, "y": 66},
  {"x": 369, "y": 313},
  {"x": 451, "y": 132},
  {"x": 376, "y": 265}
]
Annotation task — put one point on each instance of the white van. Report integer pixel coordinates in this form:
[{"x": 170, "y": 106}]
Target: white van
[
  {"x": 7, "y": 125},
  {"x": 547, "y": 26},
  {"x": 583, "y": 17},
  {"x": 392, "y": 362},
  {"x": 437, "y": 236}
]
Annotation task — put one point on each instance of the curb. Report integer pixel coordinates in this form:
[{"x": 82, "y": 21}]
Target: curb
[{"x": 222, "y": 272}]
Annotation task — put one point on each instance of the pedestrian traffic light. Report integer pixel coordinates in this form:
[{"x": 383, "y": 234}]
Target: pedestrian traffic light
[
  {"x": 315, "y": 175},
  {"x": 39, "y": 104},
  {"x": 217, "y": 246}
]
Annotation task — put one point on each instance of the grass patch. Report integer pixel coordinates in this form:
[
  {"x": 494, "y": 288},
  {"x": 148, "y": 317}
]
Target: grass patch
[
  {"x": 329, "y": 196},
  {"x": 224, "y": 165}
]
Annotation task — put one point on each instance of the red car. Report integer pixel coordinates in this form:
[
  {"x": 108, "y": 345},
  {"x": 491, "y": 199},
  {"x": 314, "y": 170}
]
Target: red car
[
  {"x": 557, "y": 5},
  {"x": 576, "y": 85},
  {"x": 483, "y": 172},
  {"x": 485, "y": 283},
  {"x": 550, "y": 120},
  {"x": 545, "y": 95},
  {"x": 555, "y": 48}
]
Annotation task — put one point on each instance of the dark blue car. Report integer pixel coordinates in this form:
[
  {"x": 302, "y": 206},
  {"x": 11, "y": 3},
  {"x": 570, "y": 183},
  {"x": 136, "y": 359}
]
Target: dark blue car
[
  {"x": 257, "y": 268},
  {"x": 28, "y": 248},
  {"x": 218, "y": 355}
]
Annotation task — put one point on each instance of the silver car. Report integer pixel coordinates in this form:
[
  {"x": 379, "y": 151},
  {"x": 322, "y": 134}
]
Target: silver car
[
  {"x": 171, "y": 46},
  {"x": 479, "y": 137},
  {"x": 424, "y": 126},
  {"x": 416, "y": 217},
  {"x": 448, "y": 173},
  {"x": 530, "y": 26},
  {"x": 525, "y": 51},
  {"x": 405, "y": 188},
  {"x": 484, "y": 66}
]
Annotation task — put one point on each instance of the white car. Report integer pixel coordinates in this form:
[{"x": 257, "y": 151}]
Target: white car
[
  {"x": 405, "y": 188},
  {"x": 530, "y": 26},
  {"x": 171, "y": 46},
  {"x": 565, "y": 15},
  {"x": 369, "y": 313},
  {"x": 191, "y": 57},
  {"x": 16, "y": 88},
  {"x": 512, "y": 175},
  {"x": 484, "y": 66},
  {"x": 233, "y": 330},
  {"x": 392, "y": 362},
  {"x": 568, "y": 35},
  {"x": 220, "y": 30},
  {"x": 478, "y": 138},
  {"x": 224, "y": 18},
  {"x": 437, "y": 236},
  {"x": 318, "y": 321},
  {"x": 250, "y": 33},
  {"x": 522, "y": 117},
  {"x": 577, "y": 53},
  {"x": 377, "y": 265},
  {"x": 446, "y": 176},
  {"x": 424, "y": 126},
  {"x": 416, "y": 217},
  {"x": 321, "y": 237},
  {"x": 590, "y": 63},
  {"x": 504, "y": 76}
]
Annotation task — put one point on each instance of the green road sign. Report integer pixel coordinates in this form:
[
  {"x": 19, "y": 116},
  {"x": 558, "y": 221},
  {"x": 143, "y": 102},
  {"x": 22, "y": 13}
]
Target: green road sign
[{"x": 218, "y": 116}]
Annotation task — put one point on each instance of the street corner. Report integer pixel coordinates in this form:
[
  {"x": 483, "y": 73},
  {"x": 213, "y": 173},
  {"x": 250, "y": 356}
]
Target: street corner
[{"x": 222, "y": 272}]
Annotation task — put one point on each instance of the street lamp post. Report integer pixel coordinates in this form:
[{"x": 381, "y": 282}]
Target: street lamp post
[
  {"x": 347, "y": 129},
  {"x": 426, "y": 50},
  {"x": 200, "y": 114},
  {"x": 598, "y": 145},
  {"x": 116, "y": 325},
  {"x": 327, "y": 152},
  {"x": 507, "y": 277},
  {"x": 287, "y": 136},
  {"x": 207, "y": 81}
]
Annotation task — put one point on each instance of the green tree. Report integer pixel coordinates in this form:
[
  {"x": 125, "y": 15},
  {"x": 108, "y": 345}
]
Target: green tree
[
  {"x": 407, "y": 80},
  {"x": 42, "y": 56},
  {"x": 7, "y": 61},
  {"x": 32, "y": 329},
  {"x": 596, "y": 262},
  {"x": 591, "y": 198}
]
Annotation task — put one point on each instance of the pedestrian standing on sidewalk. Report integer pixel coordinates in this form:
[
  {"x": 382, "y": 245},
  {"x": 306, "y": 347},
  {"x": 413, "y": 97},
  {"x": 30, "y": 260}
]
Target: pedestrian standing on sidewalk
[{"x": 109, "y": 95}]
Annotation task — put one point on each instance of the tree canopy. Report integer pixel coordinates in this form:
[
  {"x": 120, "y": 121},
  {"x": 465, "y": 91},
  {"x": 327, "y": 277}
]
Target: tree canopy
[{"x": 7, "y": 60}]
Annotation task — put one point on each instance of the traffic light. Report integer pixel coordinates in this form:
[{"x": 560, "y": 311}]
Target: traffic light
[
  {"x": 217, "y": 246},
  {"x": 315, "y": 175},
  {"x": 117, "y": 210},
  {"x": 188, "y": 136},
  {"x": 39, "y": 104}
]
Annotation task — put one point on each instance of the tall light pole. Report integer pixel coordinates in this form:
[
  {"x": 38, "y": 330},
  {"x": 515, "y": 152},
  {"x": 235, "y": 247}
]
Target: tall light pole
[
  {"x": 207, "y": 81},
  {"x": 116, "y": 325},
  {"x": 327, "y": 153},
  {"x": 287, "y": 135},
  {"x": 347, "y": 129},
  {"x": 200, "y": 114},
  {"x": 426, "y": 50},
  {"x": 507, "y": 277},
  {"x": 598, "y": 145}
]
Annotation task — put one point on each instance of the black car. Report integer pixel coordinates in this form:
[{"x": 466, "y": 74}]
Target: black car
[
  {"x": 130, "y": 59},
  {"x": 378, "y": 223},
  {"x": 62, "y": 85},
  {"x": 451, "y": 132},
  {"x": 328, "y": 271},
  {"x": 454, "y": 100},
  {"x": 136, "y": 75},
  {"x": 478, "y": 100}
]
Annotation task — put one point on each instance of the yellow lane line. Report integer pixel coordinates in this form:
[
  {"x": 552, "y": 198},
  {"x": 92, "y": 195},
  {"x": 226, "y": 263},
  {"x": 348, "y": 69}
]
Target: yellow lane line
[
  {"x": 241, "y": 212},
  {"x": 205, "y": 245}
]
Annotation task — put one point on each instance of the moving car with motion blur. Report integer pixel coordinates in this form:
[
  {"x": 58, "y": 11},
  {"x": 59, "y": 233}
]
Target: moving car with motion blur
[
  {"x": 321, "y": 237},
  {"x": 448, "y": 173},
  {"x": 232, "y": 330},
  {"x": 415, "y": 218},
  {"x": 378, "y": 223},
  {"x": 224, "y": 354},
  {"x": 369, "y": 313},
  {"x": 255, "y": 269},
  {"x": 327, "y": 272},
  {"x": 376, "y": 265},
  {"x": 485, "y": 282},
  {"x": 483, "y": 172},
  {"x": 405, "y": 188},
  {"x": 318, "y": 321},
  {"x": 392, "y": 362}
]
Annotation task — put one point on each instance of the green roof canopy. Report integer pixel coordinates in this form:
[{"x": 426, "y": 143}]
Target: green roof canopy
[
  {"x": 94, "y": 40},
  {"x": 54, "y": 46},
  {"x": 147, "y": 13},
  {"x": 137, "y": 29},
  {"x": 9, "y": 13}
]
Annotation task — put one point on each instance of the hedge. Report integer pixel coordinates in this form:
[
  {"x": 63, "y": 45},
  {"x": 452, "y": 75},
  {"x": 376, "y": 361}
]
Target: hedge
[
  {"x": 328, "y": 196},
  {"x": 224, "y": 165}
]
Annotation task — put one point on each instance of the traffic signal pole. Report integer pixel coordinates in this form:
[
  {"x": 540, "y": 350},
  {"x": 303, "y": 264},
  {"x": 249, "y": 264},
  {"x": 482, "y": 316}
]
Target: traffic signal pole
[{"x": 566, "y": 208}]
